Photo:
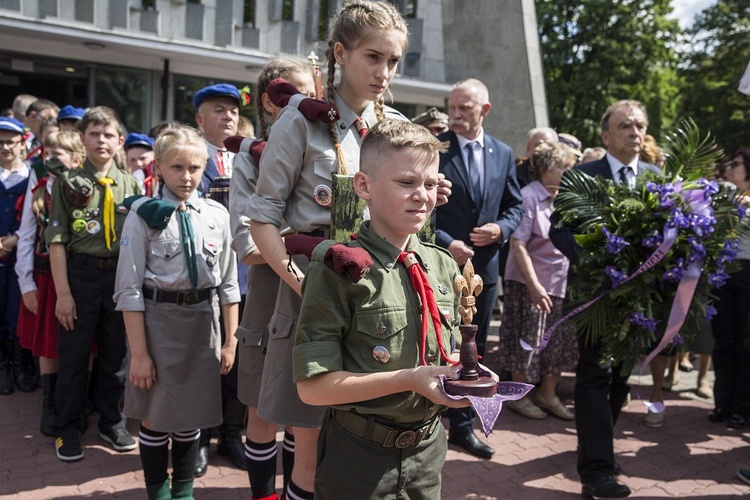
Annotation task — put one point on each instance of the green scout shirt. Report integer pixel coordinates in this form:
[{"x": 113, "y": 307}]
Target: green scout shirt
[
  {"x": 81, "y": 229},
  {"x": 341, "y": 322}
]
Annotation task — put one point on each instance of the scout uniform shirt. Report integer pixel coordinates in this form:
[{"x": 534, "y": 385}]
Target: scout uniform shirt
[
  {"x": 298, "y": 164},
  {"x": 81, "y": 229},
  {"x": 155, "y": 258},
  {"x": 374, "y": 325}
]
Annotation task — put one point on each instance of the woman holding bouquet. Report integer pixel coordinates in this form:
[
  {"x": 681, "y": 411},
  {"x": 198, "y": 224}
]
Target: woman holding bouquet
[
  {"x": 535, "y": 281},
  {"x": 730, "y": 325}
]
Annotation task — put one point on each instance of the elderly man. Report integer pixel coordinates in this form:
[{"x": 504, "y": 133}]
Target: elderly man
[
  {"x": 601, "y": 389},
  {"x": 482, "y": 211},
  {"x": 217, "y": 115}
]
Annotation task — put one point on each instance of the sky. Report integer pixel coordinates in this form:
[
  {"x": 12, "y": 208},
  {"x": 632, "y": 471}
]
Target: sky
[{"x": 685, "y": 10}]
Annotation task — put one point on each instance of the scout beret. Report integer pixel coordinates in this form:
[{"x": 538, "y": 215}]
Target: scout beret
[
  {"x": 281, "y": 91},
  {"x": 217, "y": 90},
  {"x": 69, "y": 112},
  {"x": 155, "y": 212},
  {"x": 430, "y": 115},
  {"x": 254, "y": 148},
  {"x": 78, "y": 189},
  {"x": 353, "y": 261},
  {"x": 11, "y": 125},
  {"x": 136, "y": 139}
]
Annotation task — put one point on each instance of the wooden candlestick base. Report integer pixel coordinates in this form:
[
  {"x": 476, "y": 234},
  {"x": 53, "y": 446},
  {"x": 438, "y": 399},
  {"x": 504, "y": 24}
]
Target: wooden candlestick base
[{"x": 470, "y": 383}]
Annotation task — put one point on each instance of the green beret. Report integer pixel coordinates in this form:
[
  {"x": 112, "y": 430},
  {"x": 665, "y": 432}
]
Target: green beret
[
  {"x": 78, "y": 189},
  {"x": 430, "y": 115},
  {"x": 156, "y": 213}
]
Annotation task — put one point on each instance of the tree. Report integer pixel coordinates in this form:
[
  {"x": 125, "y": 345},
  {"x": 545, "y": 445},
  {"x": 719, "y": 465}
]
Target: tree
[
  {"x": 595, "y": 52},
  {"x": 720, "y": 41}
]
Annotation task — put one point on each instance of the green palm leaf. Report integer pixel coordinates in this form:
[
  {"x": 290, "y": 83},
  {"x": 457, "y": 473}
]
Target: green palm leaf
[{"x": 690, "y": 155}]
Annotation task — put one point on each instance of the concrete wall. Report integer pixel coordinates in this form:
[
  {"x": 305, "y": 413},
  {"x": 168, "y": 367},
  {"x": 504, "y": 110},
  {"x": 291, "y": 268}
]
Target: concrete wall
[{"x": 491, "y": 41}]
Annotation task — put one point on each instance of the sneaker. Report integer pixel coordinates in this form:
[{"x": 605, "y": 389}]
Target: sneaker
[
  {"x": 120, "y": 439},
  {"x": 744, "y": 476},
  {"x": 68, "y": 449}
]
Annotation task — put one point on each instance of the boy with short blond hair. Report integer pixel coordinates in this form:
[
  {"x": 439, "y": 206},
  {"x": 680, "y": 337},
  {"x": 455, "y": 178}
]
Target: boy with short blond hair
[
  {"x": 86, "y": 218},
  {"x": 361, "y": 346}
]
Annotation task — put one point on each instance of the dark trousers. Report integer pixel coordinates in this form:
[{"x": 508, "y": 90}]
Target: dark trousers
[
  {"x": 92, "y": 290},
  {"x": 462, "y": 419},
  {"x": 600, "y": 392},
  {"x": 10, "y": 299},
  {"x": 731, "y": 328}
]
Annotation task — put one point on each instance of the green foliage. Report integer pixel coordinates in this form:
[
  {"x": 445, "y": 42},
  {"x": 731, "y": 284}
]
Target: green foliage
[
  {"x": 719, "y": 54},
  {"x": 630, "y": 316},
  {"x": 595, "y": 52}
]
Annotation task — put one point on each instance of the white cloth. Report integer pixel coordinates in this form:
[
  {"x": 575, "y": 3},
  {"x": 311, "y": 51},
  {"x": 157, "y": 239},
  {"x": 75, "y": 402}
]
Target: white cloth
[
  {"x": 226, "y": 158},
  {"x": 27, "y": 237},
  {"x": 10, "y": 178}
]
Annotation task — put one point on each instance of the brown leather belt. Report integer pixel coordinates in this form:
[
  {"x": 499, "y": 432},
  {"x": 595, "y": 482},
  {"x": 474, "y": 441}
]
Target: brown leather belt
[
  {"x": 177, "y": 297},
  {"x": 386, "y": 436}
]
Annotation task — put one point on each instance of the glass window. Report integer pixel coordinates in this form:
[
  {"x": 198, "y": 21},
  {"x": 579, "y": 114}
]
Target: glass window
[
  {"x": 248, "y": 15},
  {"x": 148, "y": 4},
  {"x": 127, "y": 91},
  {"x": 287, "y": 10}
]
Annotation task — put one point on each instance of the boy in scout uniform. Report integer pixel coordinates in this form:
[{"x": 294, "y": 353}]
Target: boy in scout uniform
[
  {"x": 365, "y": 349},
  {"x": 86, "y": 219}
]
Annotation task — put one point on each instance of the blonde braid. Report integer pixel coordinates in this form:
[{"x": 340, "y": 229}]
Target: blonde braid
[
  {"x": 342, "y": 168},
  {"x": 380, "y": 109}
]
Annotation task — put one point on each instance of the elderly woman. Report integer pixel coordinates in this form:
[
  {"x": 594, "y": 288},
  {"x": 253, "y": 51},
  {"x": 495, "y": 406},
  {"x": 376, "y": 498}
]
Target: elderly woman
[{"x": 535, "y": 281}]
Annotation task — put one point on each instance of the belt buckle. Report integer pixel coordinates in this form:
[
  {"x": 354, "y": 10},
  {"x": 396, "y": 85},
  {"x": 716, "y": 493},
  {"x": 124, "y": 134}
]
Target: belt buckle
[
  {"x": 189, "y": 298},
  {"x": 406, "y": 439}
]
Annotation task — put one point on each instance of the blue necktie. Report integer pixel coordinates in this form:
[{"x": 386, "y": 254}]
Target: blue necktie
[
  {"x": 476, "y": 186},
  {"x": 624, "y": 180}
]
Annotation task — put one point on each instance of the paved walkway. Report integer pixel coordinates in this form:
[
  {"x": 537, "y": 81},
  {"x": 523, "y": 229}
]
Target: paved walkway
[{"x": 688, "y": 457}]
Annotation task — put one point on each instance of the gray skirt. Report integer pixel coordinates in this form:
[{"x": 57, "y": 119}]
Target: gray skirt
[
  {"x": 184, "y": 342},
  {"x": 279, "y": 401},
  {"x": 252, "y": 333}
]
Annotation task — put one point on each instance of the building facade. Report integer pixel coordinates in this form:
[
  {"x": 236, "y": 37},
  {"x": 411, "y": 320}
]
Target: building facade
[{"x": 145, "y": 58}]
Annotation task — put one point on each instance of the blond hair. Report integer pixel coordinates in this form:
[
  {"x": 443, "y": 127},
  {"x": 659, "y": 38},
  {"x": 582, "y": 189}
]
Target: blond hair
[
  {"x": 68, "y": 140},
  {"x": 355, "y": 22},
  {"x": 177, "y": 140},
  {"x": 395, "y": 136},
  {"x": 279, "y": 67}
]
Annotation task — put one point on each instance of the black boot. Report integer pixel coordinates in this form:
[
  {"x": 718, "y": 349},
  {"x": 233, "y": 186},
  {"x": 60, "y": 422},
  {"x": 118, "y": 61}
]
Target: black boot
[
  {"x": 49, "y": 382},
  {"x": 6, "y": 368},
  {"x": 230, "y": 432},
  {"x": 24, "y": 368}
]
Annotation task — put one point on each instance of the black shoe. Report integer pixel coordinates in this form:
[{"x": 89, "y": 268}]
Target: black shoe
[
  {"x": 68, "y": 448},
  {"x": 236, "y": 452},
  {"x": 719, "y": 414},
  {"x": 471, "y": 444},
  {"x": 605, "y": 487},
  {"x": 737, "y": 421},
  {"x": 119, "y": 438},
  {"x": 201, "y": 462}
]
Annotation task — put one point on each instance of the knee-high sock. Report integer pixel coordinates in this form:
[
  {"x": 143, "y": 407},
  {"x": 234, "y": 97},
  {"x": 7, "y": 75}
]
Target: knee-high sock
[
  {"x": 287, "y": 457},
  {"x": 184, "y": 450},
  {"x": 294, "y": 492},
  {"x": 154, "y": 448},
  {"x": 261, "y": 467}
]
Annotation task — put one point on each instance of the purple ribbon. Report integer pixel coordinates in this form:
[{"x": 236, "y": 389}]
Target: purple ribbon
[
  {"x": 670, "y": 235},
  {"x": 488, "y": 409}
]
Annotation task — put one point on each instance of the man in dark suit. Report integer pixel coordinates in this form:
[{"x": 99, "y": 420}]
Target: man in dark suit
[
  {"x": 601, "y": 390},
  {"x": 482, "y": 211}
]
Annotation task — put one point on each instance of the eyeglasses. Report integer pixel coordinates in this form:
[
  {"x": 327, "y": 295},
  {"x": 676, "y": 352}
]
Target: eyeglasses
[{"x": 9, "y": 144}]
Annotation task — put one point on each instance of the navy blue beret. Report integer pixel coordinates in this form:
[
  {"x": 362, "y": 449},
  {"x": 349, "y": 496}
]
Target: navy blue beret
[{"x": 217, "y": 90}]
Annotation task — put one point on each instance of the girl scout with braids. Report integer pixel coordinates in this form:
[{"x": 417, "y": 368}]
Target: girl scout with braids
[
  {"x": 366, "y": 40},
  {"x": 176, "y": 270}
]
